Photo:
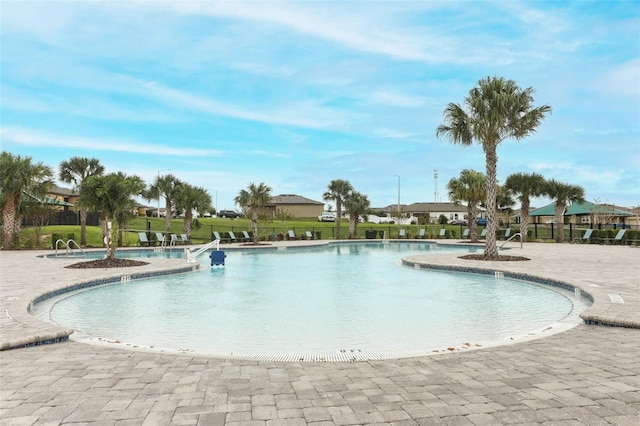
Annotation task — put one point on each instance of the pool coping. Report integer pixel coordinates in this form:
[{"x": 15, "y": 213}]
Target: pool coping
[{"x": 20, "y": 329}]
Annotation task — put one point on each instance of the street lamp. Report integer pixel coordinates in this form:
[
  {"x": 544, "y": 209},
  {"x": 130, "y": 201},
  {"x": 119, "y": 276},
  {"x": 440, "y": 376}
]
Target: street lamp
[{"x": 161, "y": 170}]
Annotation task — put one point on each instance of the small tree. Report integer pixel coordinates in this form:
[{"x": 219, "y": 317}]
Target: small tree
[
  {"x": 255, "y": 198},
  {"x": 18, "y": 175},
  {"x": 355, "y": 204},
  {"x": 166, "y": 186},
  {"x": 524, "y": 186},
  {"x": 469, "y": 188},
  {"x": 75, "y": 171},
  {"x": 112, "y": 195},
  {"x": 189, "y": 198},
  {"x": 563, "y": 194},
  {"x": 337, "y": 191}
]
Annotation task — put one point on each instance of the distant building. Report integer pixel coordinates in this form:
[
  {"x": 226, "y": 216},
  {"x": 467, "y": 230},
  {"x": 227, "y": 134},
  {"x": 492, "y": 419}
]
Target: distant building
[
  {"x": 295, "y": 206},
  {"x": 585, "y": 214},
  {"x": 432, "y": 211}
]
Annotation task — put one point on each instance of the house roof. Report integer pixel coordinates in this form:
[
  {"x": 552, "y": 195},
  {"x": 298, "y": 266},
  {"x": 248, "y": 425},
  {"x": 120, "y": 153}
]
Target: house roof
[
  {"x": 58, "y": 190},
  {"x": 28, "y": 198},
  {"x": 584, "y": 208},
  {"x": 435, "y": 207},
  {"x": 293, "y": 199}
]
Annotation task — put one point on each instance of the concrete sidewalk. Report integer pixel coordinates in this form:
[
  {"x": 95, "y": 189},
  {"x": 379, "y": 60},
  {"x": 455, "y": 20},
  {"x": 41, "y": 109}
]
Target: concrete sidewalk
[{"x": 587, "y": 375}]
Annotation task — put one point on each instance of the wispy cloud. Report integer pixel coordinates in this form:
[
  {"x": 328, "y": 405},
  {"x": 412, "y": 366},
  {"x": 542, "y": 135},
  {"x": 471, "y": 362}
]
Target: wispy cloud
[{"x": 27, "y": 137}]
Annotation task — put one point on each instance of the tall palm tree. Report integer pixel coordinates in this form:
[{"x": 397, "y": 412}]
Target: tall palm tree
[
  {"x": 468, "y": 188},
  {"x": 17, "y": 175},
  {"x": 355, "y": 204},
  {"x": 255, "y": 198},
  {"x": 337, "y": 191},
  {"x": 112, "y": 195},
  {"x": 564, "y": 194},
  {"x": 164, "y": 186},
  {"x": 189, "y": 198},
  {"x": 525, "y": 186},
  {"x": 75, "y": 171},
  {"x": 495, "y": 110}
]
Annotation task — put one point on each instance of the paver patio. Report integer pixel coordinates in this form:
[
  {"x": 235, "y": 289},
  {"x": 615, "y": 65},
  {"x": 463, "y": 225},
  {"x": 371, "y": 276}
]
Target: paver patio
[{"x": 588, "y": 375}]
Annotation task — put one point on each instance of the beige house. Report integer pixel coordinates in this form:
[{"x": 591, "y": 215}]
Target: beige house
[
  {"x": 62, "y": 194},
  {"x": 295, "y": 206}
]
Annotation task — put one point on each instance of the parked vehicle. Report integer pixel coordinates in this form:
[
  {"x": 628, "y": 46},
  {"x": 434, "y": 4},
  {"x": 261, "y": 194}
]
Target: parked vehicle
[
  {"x": 481, "y": 221},
  {"x": 459, "y": 222},
  {"x": 231, "y": 214},
  {"x": 327, "y": 217}
]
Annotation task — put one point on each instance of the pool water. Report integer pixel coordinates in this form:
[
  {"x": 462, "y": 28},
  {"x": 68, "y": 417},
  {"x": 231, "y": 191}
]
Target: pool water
[{"x": 334, "y": 299}]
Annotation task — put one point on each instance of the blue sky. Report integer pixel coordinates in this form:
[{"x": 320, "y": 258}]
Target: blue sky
[{"x": 296, "y": 94}]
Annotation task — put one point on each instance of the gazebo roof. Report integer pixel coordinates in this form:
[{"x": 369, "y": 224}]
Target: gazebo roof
[{"x": 580, "y": 209}]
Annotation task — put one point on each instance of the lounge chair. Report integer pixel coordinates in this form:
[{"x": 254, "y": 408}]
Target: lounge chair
[
  {"x": 442, "y": 233},
  {"x": 465, "y": 233},
  {"x": 309, "y": 235},
  {"x": 246, "y": 236},
  {"x": 617, "y": 239},
  {"x": 144, "y": 241},
  {"x": 402, "y": 233},
  {"x": 216, "y": 236},
  {"x": 292, "y": 235},
  {"x": 232, "y": 237},
  {"x": 586, "y": 237},
  {"x": 184, "y": 239},
  {"x": 507, "y": 234},
  {"x": 483, "y": 234},
  {"x": 160, "y": 238},
  {"x": 422, "y": 233},
  {"x": 174, "y": 240}
]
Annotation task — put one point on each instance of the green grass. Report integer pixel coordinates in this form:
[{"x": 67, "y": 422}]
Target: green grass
[{"x": 222, "y": 225}]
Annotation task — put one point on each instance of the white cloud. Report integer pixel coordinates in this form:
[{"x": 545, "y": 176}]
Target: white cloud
[{"x": 27, "y": 137}]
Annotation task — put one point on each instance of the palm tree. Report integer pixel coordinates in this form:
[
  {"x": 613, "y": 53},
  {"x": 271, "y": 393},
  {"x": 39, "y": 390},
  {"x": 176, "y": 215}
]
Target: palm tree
[
  {"x": 189, "y": 198},
  {"x": 164, "y": 186},
  {"x": 75, "y": 171},
  {"x": 355, "y": 204},
  {"x": 563, "y": 194},
  {"x": 337, "y": 191},
  {"x": 17, "y": 175},
  {"x": 254, "y": 198},
  {"x": 525, "y": 186},
  {"x": 468, "y": 188},
  {"x": 112, "y": 195},
  {"x": 496, "y": 110}
]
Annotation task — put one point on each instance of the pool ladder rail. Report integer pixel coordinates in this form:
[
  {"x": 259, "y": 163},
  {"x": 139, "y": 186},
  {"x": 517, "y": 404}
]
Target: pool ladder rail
[
  {"x": 518, "y": 234},
  {"x": 68, "y": 247}
]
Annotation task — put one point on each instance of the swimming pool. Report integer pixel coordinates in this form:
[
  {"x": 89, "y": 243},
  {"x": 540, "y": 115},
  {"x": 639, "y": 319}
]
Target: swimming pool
[{"x": 334, "y": 302}]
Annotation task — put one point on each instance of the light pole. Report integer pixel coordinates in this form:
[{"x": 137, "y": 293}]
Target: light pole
[
  {"x": 157, "y": 183},
  {"x": 398, "y": 198}
]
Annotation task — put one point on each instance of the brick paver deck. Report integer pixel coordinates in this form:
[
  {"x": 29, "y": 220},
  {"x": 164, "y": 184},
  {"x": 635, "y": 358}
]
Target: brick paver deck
[{"x": 588, "y": 375}]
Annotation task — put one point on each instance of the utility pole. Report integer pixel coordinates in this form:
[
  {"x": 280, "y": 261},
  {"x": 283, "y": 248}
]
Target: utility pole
[{"x": 435, "y": 191}]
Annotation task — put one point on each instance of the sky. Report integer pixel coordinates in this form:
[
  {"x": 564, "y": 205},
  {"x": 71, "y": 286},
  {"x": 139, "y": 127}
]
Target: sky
[{"x": 297, "y": 94}]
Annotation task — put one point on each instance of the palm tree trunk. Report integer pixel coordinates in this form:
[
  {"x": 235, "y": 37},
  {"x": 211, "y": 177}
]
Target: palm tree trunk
[
  {"x": 83, "y": 226},
  {"x": 524, "y": 219},
  {"x": 186, "y": 226},
  {"x": 254, "y": 225},
  {"x": 167, "y": 214},
  {"x": 8, "y": 218},
  {"x": 491, "y": 248},
  {"x": 559, "y": 222},
  {"x": 472, "y": 223}
]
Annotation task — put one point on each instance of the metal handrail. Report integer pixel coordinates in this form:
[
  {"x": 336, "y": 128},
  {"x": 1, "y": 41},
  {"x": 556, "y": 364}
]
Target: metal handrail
[
  {"x": 68, "y": 248},
  {"x": 517, "y": 234},
  {"x": 190, "y": 256}
]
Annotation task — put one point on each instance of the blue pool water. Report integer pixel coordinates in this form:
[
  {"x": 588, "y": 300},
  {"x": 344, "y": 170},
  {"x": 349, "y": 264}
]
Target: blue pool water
[{"x": 334, "y": 299}]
